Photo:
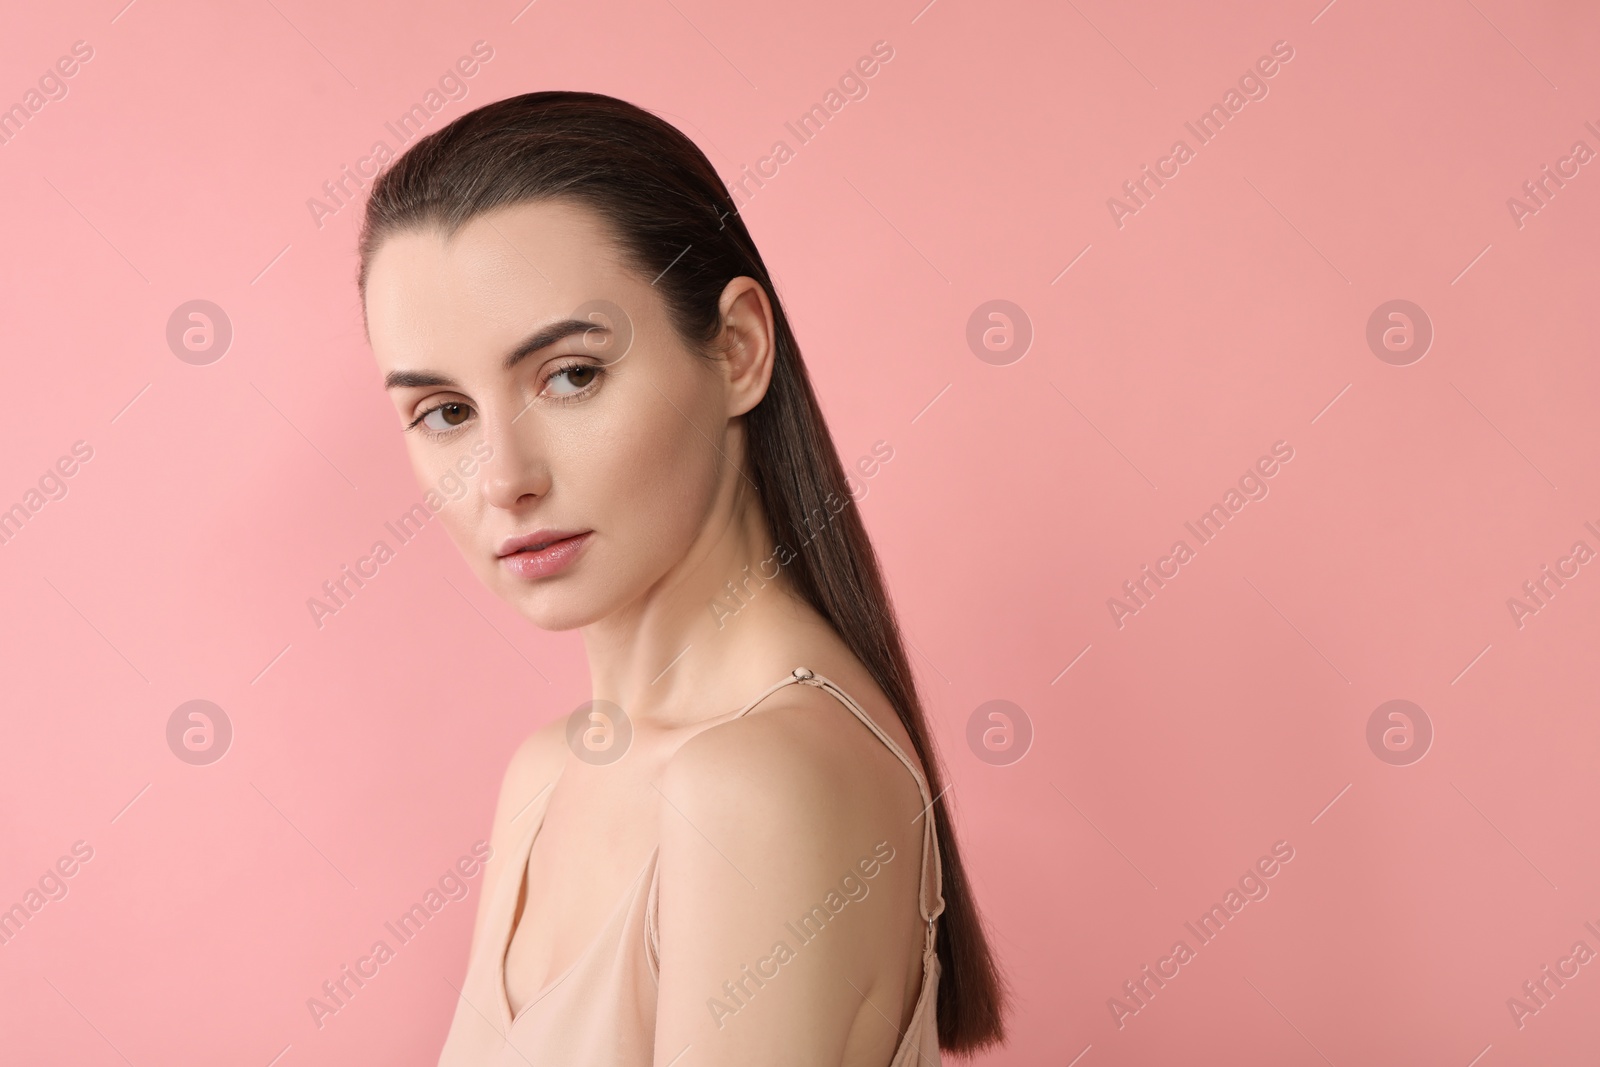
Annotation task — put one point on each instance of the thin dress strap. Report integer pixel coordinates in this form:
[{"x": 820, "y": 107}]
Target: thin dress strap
[{"x": 932, "y": 908}]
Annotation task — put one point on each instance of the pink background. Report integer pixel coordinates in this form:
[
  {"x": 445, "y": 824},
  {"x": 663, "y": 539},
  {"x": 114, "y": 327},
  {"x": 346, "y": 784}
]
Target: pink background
[{"x": 1229, "y": 313}]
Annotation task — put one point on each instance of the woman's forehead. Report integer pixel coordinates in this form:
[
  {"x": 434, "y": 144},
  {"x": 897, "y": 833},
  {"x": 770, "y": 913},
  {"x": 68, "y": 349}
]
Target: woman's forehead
[{"x": 494, "y": 277}]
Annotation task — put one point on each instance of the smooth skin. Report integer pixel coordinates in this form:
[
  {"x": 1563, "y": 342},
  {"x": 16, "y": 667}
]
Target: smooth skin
[{"x": 756, "y": 817}]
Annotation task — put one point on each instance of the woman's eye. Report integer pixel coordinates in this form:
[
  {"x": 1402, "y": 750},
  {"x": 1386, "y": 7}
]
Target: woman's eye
[
  {"x": 571, "y": 380},
  {"x": 446, "y": 417}
]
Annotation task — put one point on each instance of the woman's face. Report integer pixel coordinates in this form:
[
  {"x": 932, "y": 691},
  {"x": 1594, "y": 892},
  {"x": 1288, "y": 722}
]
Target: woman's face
[{"x": 525, "y": 340}]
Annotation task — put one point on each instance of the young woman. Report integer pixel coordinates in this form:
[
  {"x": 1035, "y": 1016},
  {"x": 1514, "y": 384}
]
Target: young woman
[{"x": 739, "y": 852}]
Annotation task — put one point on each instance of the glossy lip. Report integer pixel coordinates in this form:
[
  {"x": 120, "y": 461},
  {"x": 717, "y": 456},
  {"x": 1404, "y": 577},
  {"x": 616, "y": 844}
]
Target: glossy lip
[
  {"x": 537, "y": 537},
  {"x": 560, "y": 550}
]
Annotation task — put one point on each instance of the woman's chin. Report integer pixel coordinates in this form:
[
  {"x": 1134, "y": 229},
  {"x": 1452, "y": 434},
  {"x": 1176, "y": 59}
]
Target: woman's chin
[{"x": 551, "y": 609}]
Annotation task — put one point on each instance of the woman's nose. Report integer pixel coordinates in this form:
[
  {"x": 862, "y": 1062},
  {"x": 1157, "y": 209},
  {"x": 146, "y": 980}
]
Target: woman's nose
[{"x": 517, "y": 471}]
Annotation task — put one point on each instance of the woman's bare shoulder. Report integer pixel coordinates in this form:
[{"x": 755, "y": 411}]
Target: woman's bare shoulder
[
  {"x": 529, "y": 773},
  {"x": 799, "y": 787},
  {"x": 535, "y": 762},
  {"x": 532, "y": 768},
  {"x": 802, "y": 764},
  {"x": 788, "y": 860}
]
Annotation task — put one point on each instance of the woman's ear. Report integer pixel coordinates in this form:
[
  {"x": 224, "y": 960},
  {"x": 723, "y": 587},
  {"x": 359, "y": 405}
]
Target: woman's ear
[{"x": 749, "y": 343}]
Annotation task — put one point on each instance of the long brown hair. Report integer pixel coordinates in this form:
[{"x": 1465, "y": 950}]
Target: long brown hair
[{"x": 679, "y": 225}]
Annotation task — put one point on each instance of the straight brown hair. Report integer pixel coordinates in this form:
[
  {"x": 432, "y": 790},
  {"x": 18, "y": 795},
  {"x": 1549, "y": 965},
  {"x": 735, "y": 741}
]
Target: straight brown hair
[{"x": 678, "y": 224}]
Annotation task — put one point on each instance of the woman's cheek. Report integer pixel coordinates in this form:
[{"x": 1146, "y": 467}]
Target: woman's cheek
[{"x": 664, "y": 478}]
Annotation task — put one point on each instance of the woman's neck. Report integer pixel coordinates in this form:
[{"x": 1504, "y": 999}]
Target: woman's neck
[{"x": 713, "y": 631}]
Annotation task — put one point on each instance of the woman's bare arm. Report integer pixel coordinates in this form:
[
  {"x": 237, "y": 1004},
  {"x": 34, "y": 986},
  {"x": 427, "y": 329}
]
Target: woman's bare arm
[
  {"x": 788, "y": 916},
  {"x": 531, "y": 770}
]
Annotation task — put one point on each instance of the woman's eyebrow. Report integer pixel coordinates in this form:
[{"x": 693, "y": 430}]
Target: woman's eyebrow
[
  {"x": 402, "y": 379},
  {"x": 547, "y": 336},
  {"x": 539, "y": 339}
]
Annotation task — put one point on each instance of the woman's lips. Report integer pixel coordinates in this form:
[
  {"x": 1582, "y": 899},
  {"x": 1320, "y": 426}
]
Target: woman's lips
[{"x": 553, "y": 558}]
